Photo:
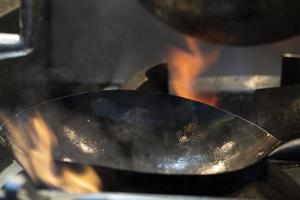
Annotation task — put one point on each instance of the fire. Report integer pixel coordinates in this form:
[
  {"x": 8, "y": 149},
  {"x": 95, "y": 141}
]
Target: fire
[
  {"x": 185, "y": 67},
  {"x": 33, "y": 148}
]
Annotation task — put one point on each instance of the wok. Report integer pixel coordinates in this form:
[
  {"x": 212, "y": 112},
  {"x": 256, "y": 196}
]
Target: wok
[
  {"x": 231, "y": 22},
  {"x": 155, "y": 140}
]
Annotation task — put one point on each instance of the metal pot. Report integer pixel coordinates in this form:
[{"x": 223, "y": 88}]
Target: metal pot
[{"x": 231, "y": 22}]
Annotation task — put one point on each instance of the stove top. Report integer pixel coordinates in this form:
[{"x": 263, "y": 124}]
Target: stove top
[{"x": 49, "y": 72}]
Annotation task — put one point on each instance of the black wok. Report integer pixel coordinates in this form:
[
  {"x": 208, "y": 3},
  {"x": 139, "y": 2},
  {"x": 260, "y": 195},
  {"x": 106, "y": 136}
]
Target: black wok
[
  {"x": 232, "y": 22},
  {"x": 153, "y": 139}
]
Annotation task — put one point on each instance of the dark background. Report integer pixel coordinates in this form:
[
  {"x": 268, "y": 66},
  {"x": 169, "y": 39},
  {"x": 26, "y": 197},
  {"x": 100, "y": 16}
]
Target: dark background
[{"x": 99, "y": 40}]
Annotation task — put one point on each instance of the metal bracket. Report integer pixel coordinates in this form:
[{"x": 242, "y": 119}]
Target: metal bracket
[{"x": 19, "y": 44}]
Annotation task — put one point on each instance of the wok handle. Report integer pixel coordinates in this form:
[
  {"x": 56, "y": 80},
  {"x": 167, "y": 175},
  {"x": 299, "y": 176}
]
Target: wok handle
[
  {"x": 288, "y": 152},
  {"x": 19, "y": 44}
]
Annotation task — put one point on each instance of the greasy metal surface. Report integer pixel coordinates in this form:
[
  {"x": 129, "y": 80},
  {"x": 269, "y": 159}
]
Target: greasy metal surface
[
  {"x": 277, "y": 110},
  {"x": 231, "y": 22},
  {"x": 153, "y": 78},
  {"x": 150, "y": 132}
]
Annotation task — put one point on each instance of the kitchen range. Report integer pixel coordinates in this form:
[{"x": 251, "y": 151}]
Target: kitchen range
[{"x": 149, "y": 99}]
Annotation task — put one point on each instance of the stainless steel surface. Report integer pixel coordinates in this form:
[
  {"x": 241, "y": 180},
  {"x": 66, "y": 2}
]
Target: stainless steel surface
[
  {"x": 9, "y": 173},
  {"x": 150, "y": 133},
  {"x": 56, "y": 195},
  {"x": 237, "y": 83},
  {"x": 20, "y": 44},
  {"x": 123, "y": 196}
]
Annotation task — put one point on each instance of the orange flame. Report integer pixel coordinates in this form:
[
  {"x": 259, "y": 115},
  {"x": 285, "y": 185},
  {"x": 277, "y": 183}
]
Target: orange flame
[
  {"x": 33, "y": 149},
  {"x": 185, "y": 67}
]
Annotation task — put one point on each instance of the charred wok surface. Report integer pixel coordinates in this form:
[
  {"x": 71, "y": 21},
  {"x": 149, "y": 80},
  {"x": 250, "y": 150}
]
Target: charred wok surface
[{"x": 152, "y": 133}]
